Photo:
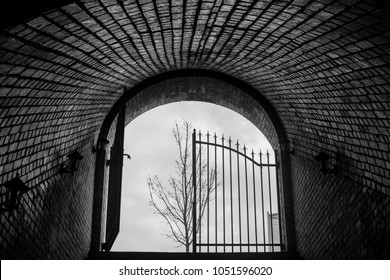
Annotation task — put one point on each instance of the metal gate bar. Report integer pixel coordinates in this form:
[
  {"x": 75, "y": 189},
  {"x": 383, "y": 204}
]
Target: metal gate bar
[
  {"x": 254, "y": 197},
  {"x": 239, "y": 195},
  {"x": 270, "y": 202},
  {"x": 221, "y": 188}
]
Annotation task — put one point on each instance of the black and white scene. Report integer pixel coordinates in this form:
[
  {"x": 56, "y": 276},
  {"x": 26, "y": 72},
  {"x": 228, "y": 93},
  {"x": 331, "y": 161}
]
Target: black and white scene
[{"x": 195, "y": 130}]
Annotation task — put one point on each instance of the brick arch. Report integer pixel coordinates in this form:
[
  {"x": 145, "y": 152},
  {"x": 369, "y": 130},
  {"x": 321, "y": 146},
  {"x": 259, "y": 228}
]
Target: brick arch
[
  {"x": 206, "y": 89},
  {"x": 208, "y": 86}
]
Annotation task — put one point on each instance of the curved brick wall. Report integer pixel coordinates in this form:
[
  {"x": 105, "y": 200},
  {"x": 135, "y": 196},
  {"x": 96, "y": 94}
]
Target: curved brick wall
[
  {"x": 323, "y": 65},
  {"x": 207, "y": 90}
]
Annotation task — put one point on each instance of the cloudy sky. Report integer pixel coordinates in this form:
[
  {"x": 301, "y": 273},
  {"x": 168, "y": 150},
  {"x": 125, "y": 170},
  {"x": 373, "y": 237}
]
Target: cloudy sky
[{"x": 149, "y": 141}]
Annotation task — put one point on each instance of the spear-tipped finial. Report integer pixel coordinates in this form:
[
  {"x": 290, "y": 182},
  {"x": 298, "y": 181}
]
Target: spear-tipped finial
[
  {"x": 261, "y": 158},
  {"x": 244, "y": 149}
]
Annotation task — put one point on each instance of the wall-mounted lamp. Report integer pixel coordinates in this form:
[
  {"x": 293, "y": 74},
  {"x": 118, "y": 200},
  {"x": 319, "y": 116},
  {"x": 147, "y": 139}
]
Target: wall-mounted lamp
[
  {"x": 100, "y": 145},
  {"x": 323, "y": 159},
  {"x": 125, "y": 155},
  {"x": 72, "y": 163},
  {"x": 286, "y": 146},
  {"x": 10, "y": 197}
]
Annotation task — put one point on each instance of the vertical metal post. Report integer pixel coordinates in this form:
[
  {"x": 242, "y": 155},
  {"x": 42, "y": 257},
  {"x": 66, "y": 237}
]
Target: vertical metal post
[
  {"x": 231, "y": 192},
  {"x": 216, "y": 193},
  {"x": 208, "y": 192},
  {"x": 262, "y": 198},
  {"x": 247, "y": 199},
  {"x": 200, "y": 192},
  {"x": 239, "y": 195},
  {"x": 223, "y": 194},
  {"x": 254, "y": 198},
  {"x": 194, "y": 186},
  {"x": 278, "y": 197},
  {"x": 270, "y": 201}
]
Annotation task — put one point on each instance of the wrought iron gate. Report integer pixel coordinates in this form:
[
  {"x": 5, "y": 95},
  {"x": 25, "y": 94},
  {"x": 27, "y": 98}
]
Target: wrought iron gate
[{"x": 236, "y": 202}]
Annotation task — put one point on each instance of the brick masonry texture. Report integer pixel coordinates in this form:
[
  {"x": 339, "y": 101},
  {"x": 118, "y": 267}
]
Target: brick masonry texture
[
  {"x": 53, "y": 220},
  {"x": 206, "y": 90},
  {"x": 323, "y": 65},
  {"x": 338, "y": 218}
]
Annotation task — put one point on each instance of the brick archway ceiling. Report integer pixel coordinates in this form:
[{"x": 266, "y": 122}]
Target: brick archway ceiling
[{"x": 324, "y": 65}]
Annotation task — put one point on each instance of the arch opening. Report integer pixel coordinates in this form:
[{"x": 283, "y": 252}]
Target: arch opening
[
  {"x": 213, "y": 88},
  {"x": 151, "y": 144}
]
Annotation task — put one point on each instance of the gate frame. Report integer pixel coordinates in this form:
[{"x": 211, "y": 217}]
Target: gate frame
[{"x": 260, "y": 164}]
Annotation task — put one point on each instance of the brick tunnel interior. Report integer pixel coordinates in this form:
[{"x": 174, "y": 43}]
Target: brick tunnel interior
[{"x": 320, "y": 67}]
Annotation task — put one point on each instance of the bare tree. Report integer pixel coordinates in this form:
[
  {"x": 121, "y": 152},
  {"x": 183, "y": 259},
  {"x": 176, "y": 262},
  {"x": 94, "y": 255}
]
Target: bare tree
[{"x": 174, "y": 201}]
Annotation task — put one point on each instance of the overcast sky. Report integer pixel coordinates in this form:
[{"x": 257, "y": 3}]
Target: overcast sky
[{"x": 149, "y": 141}]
